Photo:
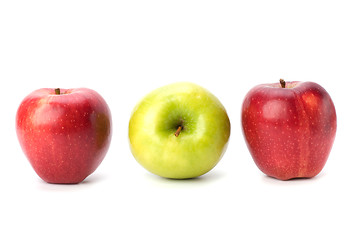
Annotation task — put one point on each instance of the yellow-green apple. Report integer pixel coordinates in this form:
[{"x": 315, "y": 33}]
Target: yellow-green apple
[
  {"x": 64, "y": 133},
  {"x": 289, "y": 128},
  {"x": 179, "y": 131}
]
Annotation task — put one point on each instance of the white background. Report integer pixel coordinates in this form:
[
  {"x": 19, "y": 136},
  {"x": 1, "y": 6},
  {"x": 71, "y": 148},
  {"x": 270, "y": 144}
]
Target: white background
[{"x": 125, "y": 49}]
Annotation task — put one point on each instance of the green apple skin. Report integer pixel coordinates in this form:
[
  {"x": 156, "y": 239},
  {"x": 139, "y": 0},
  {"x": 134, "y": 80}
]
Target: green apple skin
[{"x": 199, "y": 146}]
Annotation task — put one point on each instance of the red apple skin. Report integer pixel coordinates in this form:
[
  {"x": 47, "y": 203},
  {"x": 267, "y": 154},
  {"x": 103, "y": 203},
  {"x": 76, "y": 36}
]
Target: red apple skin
[
  {"x": 65, "y": 137},
  {"x": 289, "y": 131}
]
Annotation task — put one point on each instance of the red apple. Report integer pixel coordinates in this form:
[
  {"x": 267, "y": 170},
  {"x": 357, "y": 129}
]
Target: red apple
[
  {"x": 289, "y": 128},
  {"x": 64, "y": 133}
]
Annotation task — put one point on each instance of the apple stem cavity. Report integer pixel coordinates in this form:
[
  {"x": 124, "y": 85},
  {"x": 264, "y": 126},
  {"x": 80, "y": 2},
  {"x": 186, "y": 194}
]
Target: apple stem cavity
[
  {"x": 282, "y": 83},
  {"x": 178, "y": 131},
  {"x": 57, "y": 91}
]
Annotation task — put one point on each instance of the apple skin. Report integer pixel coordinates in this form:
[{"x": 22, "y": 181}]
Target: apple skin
[
  {"x": 289, "y": 131},
  {"x": 65, "y": 137},
  {"x": 199, "y": 146}
]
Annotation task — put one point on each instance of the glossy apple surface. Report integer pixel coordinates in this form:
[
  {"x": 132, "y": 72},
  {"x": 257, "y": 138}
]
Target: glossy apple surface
[
  {"x": 179, "y": 131},
  {"x": 64, "y": 135},
  {"x": 289, "y": 130}
]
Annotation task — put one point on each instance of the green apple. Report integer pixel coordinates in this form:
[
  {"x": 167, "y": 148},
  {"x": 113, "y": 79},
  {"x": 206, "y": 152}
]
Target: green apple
[{"x": 179, "y": 131}]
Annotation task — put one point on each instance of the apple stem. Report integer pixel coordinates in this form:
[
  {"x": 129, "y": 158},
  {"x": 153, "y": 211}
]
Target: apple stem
[
  {"x": 282, "y": 83},
  {"x": 178, "y": 131},
  {"x": 57, "y": 91}
]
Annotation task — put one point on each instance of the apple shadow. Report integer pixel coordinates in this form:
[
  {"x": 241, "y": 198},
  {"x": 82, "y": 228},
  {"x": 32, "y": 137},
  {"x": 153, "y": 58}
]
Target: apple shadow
[
  {"x": 92, "y": 179},
  {"x": 204, "y": 179},
  {"x": 89, "y": 181},
  {"x": 295, "y": 181}
]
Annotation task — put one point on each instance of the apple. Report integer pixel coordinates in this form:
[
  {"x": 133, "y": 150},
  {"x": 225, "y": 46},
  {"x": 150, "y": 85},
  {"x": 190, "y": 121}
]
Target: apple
[
  {"x": 179, "y": 131},
  {"x": 289, "y": 128},
  {"x": 64, "y": 133}
]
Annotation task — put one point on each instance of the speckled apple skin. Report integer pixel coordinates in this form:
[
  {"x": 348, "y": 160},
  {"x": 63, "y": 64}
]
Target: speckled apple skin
[
  {"x": 65, "y": 137},
  {"x": 200, "y": 145},
  {"x": 289, "y": 131}
]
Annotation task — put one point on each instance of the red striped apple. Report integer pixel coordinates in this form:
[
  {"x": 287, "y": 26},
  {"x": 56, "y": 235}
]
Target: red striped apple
[
  {"x": 289, "y": 128},
  {"x": 64, "y": 133}
]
